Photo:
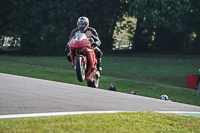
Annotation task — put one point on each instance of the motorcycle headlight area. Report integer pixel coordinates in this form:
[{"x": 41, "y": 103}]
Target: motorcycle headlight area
[{"x": 80, "y": 51}]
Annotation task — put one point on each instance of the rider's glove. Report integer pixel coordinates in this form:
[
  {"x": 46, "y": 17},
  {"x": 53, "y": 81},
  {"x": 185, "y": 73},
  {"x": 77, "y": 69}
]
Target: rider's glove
[
  {"x": 94, "y": 44},
  {"x": 66, "y": 49},
  {"x": 67, "y": 46}
]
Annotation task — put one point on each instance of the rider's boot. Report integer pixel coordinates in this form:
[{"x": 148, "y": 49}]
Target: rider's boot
[
  {"x": 99, "y": 68},
  {"x": 99, "y": 54}
]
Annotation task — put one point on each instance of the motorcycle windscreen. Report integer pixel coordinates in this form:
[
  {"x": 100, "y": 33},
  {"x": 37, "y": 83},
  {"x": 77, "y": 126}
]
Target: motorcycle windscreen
[{"x": 80, "y": 41}]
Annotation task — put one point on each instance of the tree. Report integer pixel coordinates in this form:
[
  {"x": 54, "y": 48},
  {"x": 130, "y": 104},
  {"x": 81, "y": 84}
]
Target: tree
[
  {"x": 44, "y": 26},
  {"x": 167, "y": 19},
  {"x": 5, "y": 11},
  {"x": 193, "y": 41},
  {"x": 103, "y": 16}
]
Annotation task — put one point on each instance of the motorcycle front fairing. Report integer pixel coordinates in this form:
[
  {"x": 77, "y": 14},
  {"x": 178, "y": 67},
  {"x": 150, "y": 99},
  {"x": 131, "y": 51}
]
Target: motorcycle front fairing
[
  {"x": 79, "y": 42},
  {"x": 74, "y": 44},
  {"x": 78, "y": 47}
]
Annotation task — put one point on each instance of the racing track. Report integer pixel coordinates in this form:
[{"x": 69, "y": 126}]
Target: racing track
[{"x": 22, "y": 95}]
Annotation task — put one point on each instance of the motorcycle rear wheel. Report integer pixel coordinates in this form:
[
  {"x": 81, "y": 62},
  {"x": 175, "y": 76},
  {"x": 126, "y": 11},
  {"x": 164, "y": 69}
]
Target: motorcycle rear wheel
[
  {"x": 95, "y": 82},
  {"x": 80, "y": 72}
]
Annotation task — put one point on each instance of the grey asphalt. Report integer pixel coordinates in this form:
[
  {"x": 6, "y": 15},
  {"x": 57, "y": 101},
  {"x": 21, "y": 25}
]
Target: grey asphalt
[{"x": 23, "y": 95}]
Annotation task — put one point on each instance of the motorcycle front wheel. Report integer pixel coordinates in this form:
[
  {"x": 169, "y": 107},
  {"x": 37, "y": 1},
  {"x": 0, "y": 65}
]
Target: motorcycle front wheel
[{"x": 80, "y": 72}]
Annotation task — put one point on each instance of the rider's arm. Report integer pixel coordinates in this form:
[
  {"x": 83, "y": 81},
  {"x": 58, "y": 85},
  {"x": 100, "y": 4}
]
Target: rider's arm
[
  {"x": 71, "y": 37},
  {"x": 95, "y": 36},
  {"x": 73, "y": 34}
]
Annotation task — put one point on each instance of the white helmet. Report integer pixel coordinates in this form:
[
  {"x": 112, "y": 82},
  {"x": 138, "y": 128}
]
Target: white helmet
[
  {"x": 164, "y": 97},
  {"x": 83, "y": 20}
]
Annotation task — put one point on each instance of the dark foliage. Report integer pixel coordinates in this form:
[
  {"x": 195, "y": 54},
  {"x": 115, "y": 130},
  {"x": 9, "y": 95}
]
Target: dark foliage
[{"x": 44, "y": 26}]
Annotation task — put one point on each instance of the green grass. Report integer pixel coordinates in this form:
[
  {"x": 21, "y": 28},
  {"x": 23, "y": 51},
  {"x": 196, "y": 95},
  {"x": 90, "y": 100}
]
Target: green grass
[
  {"x": 143, "y": 122},
  {"x": 149, "y": 76}
]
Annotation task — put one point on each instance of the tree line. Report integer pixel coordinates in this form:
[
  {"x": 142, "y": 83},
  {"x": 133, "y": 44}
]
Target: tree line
[{"x": 44, "y": 26}]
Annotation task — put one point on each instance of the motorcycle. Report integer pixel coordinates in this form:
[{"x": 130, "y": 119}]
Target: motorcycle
[{"x": 84, "y": 60}]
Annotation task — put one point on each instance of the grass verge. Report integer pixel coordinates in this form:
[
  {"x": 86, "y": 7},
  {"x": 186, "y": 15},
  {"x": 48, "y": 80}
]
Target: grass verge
[
  {"x": 117, "y": 122},
  {"x": 149, "y": 76}
]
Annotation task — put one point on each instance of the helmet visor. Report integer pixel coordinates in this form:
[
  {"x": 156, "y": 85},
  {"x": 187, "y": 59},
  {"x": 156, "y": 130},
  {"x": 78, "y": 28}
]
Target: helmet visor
[{"x": 81, "y": 26}]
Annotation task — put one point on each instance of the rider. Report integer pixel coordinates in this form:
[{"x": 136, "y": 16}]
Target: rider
[{"x": 83, "y": 27}]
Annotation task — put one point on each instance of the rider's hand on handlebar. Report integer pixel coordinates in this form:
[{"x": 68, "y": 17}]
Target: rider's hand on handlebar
[
  {"x": 94, "y": 44},
  {"x": 67, "y": 46},
  {"x": 66, "y": 49}
]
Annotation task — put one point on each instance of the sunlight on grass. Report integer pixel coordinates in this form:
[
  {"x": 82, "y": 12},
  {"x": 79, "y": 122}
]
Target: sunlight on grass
[
  {"x": 117, "y": 122},
  {"x": 150, "y": 77}
]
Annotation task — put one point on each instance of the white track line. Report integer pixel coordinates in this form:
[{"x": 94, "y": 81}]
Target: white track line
[
  {"x": 83, "y": 112},
  {"x": 177, "y": 112},
  {"x": 53, "y": 114}
]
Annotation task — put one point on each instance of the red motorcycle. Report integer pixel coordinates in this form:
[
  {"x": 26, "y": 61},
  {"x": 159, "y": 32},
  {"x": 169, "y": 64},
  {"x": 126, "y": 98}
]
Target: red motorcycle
[{"x": 84, "y": 60}]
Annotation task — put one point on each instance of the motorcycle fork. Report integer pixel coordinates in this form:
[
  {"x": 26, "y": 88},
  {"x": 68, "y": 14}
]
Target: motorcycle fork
[{"x": 84, "y": 61}]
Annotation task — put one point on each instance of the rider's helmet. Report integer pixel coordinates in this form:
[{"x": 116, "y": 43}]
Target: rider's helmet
[
  {"x": 164, "y": 97},
  {"x": 83, "y": 20}
]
